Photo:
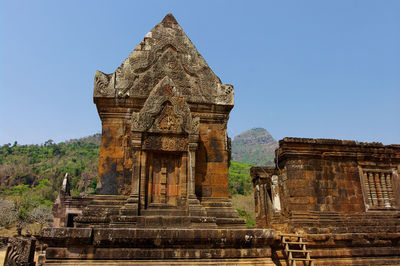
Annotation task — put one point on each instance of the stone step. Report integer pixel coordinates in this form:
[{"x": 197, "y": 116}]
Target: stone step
[
  {"x": 165, "y": 212},
  {"x": 298, "y": 251},
  {"x": 183, "y": 262},
  {"x": 222, "y": 212},
  {"x": 108, "y": 202},
  {"x": 294, "y": 243},
  {"x": 344, "y": 216},
  {"x": 220, "y": 203},
  {"x": 161, "y": 206},
  {"x": 292, "y": 235},
  {"x": 230, "y": 221},
  {"x": 109, "y": 197},
  {"x": 370, "y": 223},
  {"x": 356, "y": 229},
  {"x": 359, "y": 261},
  {"x": 301, "y": 259}
]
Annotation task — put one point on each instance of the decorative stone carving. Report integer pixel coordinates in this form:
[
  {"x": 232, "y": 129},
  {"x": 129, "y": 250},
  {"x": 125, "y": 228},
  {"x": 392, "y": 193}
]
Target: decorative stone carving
[
  {"x": 164, "y": 111},
  {"x": 20, "y": 251},
  {"x": 195, "y": 125},
  {"x": 165, "y": 51},
  {"x": 165, "y": 143},
  {"x": 103, "y": 85},
  {"x": 225, "y": 94}
]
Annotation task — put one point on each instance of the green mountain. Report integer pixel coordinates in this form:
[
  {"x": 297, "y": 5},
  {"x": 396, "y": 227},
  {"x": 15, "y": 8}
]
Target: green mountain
[
  {"x": 255, "y": 146},
  {"x": 30, "y": 164}
]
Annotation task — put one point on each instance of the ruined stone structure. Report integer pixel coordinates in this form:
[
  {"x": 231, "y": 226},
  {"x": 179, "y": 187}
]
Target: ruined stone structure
[
  {"x": 343, "y": 195},
  {"x": 164, "y": 147},
  {"x": 163, "y": 179},
  {"x": 163, "y": 169},
  {"x": 20, "y": 251}
]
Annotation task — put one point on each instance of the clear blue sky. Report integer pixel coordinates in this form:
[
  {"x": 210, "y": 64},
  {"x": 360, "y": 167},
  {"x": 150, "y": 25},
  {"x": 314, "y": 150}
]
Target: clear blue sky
[{"x": 319, "y": 69}]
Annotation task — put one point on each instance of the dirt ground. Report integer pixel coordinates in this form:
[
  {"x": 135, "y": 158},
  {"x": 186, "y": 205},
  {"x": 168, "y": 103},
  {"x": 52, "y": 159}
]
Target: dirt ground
[{"x": 2, "y": 255}]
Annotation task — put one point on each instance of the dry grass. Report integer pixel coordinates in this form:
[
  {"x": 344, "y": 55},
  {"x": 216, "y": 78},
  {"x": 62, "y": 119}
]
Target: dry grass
[
  {"x": 245, "y": 203},
  {"x": 2, "y": 254},
  {"x": 10, "y": 232},
  {"x": 29, "y": 229}
]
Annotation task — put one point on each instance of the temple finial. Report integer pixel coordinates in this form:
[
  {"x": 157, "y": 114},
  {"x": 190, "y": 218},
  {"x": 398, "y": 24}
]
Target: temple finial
[{"x": 168, "y": 20}]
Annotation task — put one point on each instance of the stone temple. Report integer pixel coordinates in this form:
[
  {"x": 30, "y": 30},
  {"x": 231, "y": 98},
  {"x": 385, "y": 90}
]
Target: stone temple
[
  {"x": 162, "y": 195},
  {"x": 342, "y": 195},
  {"x": 163, "y": 172}
]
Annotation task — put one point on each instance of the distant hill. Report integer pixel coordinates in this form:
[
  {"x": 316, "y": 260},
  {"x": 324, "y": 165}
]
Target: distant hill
[
  {"x": 95, "y": 139},
  {"x": 255, "y": 146},
  {"x": 30, "y": 164}
]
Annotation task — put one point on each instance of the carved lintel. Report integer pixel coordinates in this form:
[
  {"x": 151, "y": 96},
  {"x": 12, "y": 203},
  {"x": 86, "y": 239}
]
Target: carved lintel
[{"x": 165, "y": 143}]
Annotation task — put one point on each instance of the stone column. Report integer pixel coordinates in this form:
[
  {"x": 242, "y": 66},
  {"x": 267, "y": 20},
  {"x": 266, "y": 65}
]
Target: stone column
[
  {"x": 142, "y": 183},
  {"x": 132, "y": 206},
  {"x": 194, "y": 206},
  {"x": 192, "y": 165}
]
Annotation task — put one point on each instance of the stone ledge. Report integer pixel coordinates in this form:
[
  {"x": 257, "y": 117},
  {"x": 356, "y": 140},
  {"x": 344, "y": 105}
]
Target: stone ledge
[
  {"x": 58, "y": 236},
  {"x": 83, "y": 253},
  {"x": 166, "y": 262},
  {"x": 355, "y": 239},
  {"x": 332, "y": 142},
  {"x": 136, "y": 237},
  {"x": 156, "y": 237}
]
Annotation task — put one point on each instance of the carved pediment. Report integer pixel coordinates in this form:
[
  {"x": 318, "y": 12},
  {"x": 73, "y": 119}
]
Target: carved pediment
[
  {"x": 165, "y": 111},
  {"x": 165, "y": 51},
  {"x": 167, "y": 121}
]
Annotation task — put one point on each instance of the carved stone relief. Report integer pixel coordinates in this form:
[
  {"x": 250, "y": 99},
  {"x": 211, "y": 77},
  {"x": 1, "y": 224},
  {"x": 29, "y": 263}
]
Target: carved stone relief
[
  {"x": 165, "y": 112},
  {"x": 165, "y": 51},
  {"x": 165, "y": 143},
  {"x": 20, "y": 251}
]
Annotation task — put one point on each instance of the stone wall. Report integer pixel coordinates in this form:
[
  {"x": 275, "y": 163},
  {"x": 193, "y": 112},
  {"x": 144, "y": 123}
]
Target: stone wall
[
  {"x": 115, "y": 162},
  {"x": 212, "y": 161},
  {"x": 327, "y": 175},
  {"x": 323, "y": 175}
]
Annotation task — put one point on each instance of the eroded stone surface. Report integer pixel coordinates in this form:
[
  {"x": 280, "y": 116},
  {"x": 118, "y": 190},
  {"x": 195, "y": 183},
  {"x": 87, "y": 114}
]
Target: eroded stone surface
[
  {"x": 166, "y": 51},
  {"x": 164, "y": 148},
  {"x": 344, "y": 195},
  {"x": 156, "y": 244},
  {"x": 20, "y": 251},
  {"x": 163, "y": 167}
]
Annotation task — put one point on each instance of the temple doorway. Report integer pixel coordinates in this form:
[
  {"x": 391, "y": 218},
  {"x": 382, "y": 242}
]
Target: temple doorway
[{"x": 164, "y": 179}]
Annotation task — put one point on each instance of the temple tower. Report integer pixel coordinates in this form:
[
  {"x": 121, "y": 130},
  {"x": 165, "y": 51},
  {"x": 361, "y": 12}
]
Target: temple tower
[
  {"x": 163, "y": 170},
  {"x": 164, "y": 143}
]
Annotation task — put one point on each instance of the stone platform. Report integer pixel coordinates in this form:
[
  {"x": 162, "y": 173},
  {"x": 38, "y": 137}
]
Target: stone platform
[
  {"x": 185, "y": 262},
  {"x": 167, "y": 246},
  {"x": 348, "y": 249}
]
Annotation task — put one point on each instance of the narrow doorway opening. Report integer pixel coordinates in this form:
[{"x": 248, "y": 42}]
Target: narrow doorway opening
[{"x": 70, "y": 221}]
